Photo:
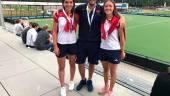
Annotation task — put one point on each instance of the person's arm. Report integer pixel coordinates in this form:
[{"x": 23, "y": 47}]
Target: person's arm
[
  {"x": 55, "y": 35},
  {"x": 122, "y": 36},
  {"x": 28, "y": 36},
  {"x": 34, "y": 36},
  {"x": 50, "y": 38},
  {"x": 122, "y": 21}
]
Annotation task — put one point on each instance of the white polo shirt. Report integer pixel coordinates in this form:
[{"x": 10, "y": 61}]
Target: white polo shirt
[
  {"x": 31, "y": 37},
  {"x": 65, "y": 37},
  {"x": 112, "y": 41}
]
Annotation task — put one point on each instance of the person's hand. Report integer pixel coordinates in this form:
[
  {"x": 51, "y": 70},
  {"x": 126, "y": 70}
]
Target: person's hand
[
  {"x": 122, "y": 55},
  {"x": 56, "y": 51}
]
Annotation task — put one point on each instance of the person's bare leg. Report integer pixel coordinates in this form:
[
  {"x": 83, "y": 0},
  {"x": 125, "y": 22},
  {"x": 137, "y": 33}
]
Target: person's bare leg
[
  {"x": 91, "y": 71},
  {"x": 72, "y": 59},
  {"x": 113, "y": 72},
  {"x": 106, "y": 69},
  {"x": 83, "y": 79},
  {"x": 61, "y": 70},
  {"x": 82, "y": 71}
]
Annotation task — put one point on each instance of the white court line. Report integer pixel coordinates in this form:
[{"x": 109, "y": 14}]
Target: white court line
[{"x": 136, "y": 26}]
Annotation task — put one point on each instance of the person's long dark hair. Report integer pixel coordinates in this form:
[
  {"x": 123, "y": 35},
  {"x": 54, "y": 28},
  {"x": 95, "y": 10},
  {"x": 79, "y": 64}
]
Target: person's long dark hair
[
  {"x": 115, "y": 12},
  {"x": 72, "y": 10}
]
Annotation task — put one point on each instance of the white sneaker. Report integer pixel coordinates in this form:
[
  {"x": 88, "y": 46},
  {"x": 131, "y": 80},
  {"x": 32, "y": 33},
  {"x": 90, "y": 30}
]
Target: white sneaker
[
  {"x": 63, "y": 91},
  {"x": 71, "y": 85}
]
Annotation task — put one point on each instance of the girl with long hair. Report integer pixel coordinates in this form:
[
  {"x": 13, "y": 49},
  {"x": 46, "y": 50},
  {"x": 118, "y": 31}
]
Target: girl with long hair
[
  {"x": 64, "y": 41},
  {"x": 112, "y": 46}
]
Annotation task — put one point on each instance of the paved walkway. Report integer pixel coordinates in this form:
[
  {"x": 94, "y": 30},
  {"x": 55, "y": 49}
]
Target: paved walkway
[{"x": 28, "y": 72}]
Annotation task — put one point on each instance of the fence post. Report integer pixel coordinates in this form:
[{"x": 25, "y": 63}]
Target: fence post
[{"x": 1, "y": 16}]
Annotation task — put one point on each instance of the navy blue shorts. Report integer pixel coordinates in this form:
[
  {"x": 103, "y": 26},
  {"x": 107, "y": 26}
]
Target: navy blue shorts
[
  {"x": 88, "y": 50},
  {"x": 112, "y": 56},
  {"x": 67, "y": 49}
]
